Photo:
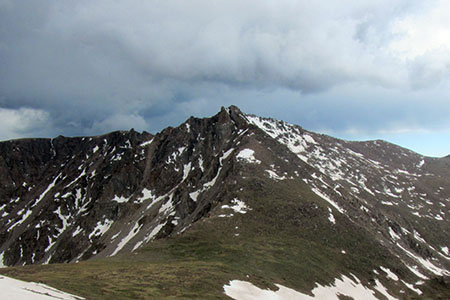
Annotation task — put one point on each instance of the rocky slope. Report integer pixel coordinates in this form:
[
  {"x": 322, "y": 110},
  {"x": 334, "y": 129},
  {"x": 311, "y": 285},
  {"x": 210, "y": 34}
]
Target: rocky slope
[
  {"x": 68, "y": 199},
  {"x": 373, "y": 209}
]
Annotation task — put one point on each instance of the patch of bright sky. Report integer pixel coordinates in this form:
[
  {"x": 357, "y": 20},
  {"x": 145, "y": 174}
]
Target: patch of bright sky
[
  {"x": 412, "y": 119},
  {"x": 434, "y": 144},
  {"x": 422, "y": 32}
]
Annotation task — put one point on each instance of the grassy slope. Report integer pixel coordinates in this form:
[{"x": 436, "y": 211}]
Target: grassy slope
[{"x": 286, "y": 238}]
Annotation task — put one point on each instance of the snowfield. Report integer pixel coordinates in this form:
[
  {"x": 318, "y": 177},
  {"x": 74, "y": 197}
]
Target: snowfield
[{"x": 13, "y": 289}]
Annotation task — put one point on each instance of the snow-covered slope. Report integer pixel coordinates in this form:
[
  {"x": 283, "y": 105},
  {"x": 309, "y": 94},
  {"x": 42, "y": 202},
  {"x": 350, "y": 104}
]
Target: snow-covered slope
[{"x": 395, "y": 193}]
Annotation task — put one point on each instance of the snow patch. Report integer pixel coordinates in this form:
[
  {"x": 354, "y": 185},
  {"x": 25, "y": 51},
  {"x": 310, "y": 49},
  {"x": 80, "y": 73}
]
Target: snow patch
[
  {"x": 2, "y": 264},
  {"x": 120, "y": 199},
  {"x": 380, "y": 288},
  {"x": 186, "y": 171},
  {"x": 393, "y": 235},
  {"x": 13, "y": 289},
  {"x": 412, "y": 288},
  {"x": 146, "y": 194},
  {"x": 101, "y": 228},
  {"x": 115, "y": 236},
  {"x": 248, "y": 156},
  {"x": 274, "y": 175},
  {"x": 439, "y": 218},
  {"x": 173, "y": 157},
  {"x": 211, "y": 183},
  {"x": 194, "y": 195},
  {"x": 149, "y": 236},
  {"x": 243, "y": 290},
  {"x": 421, "y": 163},
  {"x": 330, "y": 216},
  {"x": 363, "y": 208},
  {"x": 389, "y": 273},
  {"x": 167, "y": 207},
  {"x": 154, "y": 232},
  {"x": 309, "y": 139},
  {"x": 126, "y": 239},
  {"x": 23, "y": 218},
  {"x": 418, "y": 237},
  {"x": 225, "y": 155},
  {"x": 77, "y": 231},
  {"x": 146, "y": 143},
  {"x": 414, "y": 270},
  {"x": 425, "y": 263},
  {"x": 63, "y": 218},
  {"x": 388, "y": 192},
  {"x": 238, "y": 206},
  {"x": 76, "y": 179},
  {"x": 200, "y": 164},
  {"x": 326, "y": 198},
  {"x": 49, "y": 187}
]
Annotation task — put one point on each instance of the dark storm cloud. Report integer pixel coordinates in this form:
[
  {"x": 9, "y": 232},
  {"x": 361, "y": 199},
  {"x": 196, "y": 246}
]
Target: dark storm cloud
[{"x": 85, "y": 67}]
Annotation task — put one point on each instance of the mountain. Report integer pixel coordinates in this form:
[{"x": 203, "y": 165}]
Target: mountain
[{"x": 225, "y": 204}]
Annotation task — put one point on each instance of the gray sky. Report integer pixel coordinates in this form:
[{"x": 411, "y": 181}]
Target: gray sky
[{"x": 352, "y": 69}]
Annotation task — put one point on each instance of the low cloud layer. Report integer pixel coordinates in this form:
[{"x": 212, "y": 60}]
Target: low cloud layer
[{"x": 95, "y": 66}]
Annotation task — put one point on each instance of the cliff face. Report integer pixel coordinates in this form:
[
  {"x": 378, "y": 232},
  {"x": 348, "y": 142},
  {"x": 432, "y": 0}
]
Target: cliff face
[{"x": 71, "y": 199}]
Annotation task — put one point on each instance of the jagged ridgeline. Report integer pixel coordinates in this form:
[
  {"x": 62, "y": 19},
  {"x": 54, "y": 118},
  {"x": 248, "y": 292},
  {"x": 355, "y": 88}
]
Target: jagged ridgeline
[{"x": 241, "y": 197}]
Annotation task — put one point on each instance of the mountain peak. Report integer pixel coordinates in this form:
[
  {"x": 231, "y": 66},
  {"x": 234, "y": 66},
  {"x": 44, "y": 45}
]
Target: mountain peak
[
  {"x": 232, "y": 114},
  {"x": 234, "y": 109}
]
